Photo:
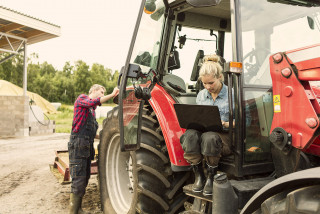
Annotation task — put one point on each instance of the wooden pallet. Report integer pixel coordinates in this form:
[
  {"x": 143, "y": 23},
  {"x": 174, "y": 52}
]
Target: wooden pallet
[{"x": 61, "y": 163}]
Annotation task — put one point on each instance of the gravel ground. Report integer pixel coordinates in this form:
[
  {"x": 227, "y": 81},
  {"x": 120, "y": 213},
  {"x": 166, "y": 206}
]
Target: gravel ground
[{"x": 29, "y": 186}]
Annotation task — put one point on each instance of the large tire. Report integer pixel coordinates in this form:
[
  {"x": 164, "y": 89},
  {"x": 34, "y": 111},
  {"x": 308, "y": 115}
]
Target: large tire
[
  {"x": 299, "y": 201},
  {"x": 140, "y": 181}
]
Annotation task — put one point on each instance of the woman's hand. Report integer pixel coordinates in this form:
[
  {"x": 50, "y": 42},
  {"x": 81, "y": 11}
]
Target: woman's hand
[{"x": 225, "y": 124}]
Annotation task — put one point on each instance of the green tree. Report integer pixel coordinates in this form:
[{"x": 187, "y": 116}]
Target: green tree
[
  {"x": 54, "y": 85},
  {"x": 33, "y": 74},
  {"x": 47, "y": 69},
  {"x": 68, "y": 69},
  {"x": 63, "y": 88},
  {"x": 10, "y": 72},
  {"x": 99, "y": 74}
]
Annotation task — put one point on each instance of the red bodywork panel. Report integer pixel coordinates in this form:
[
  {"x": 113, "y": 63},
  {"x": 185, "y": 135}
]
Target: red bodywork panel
[
  {"x": 162, "y": 104},
  {"x": 315, "y": 146},
  {"x": 296, "y": 108}
]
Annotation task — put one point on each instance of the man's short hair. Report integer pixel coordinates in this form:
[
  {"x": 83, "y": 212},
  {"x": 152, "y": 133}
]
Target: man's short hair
[{"x": 96, "y": 87}]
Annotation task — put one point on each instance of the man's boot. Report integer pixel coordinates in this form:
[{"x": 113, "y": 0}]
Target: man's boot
[
  {"x": 80, "y": 211},
  {"x": 199, "y": 177},
  {"x": 75, "y": 203},
  {"x": 211, "y": 171}
]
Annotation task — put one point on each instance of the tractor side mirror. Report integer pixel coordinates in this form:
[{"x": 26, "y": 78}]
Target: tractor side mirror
[
  {"x": 310, "y": 22},
  {"x": 134, "y": 72},
  {"x": 143, "y": 58},
  {"x": 174, "y": 61}
]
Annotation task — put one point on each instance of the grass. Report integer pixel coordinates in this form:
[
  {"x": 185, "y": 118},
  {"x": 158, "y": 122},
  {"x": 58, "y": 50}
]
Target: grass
[{"x": 63, "y": 118}]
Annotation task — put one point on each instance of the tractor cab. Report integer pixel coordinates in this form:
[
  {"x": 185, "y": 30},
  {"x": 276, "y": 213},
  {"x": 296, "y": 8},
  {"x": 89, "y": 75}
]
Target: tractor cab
[
  {"x": 162, "y": 68},
  {"x": 172, "y": 38}
]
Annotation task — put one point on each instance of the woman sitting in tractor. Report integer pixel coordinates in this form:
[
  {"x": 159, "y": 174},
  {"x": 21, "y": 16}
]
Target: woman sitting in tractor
[{"x": 209, "y": 146}]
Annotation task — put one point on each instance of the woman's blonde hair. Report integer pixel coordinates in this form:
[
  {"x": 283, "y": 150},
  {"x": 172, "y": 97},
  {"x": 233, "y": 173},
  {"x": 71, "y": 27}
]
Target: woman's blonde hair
[
  {"x": 211, "y": 66},
  {"x": 96, "y": 87}
]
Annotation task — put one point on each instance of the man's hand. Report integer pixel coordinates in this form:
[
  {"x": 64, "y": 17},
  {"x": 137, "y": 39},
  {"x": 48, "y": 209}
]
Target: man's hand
[
  {"x": 109, "y": 96},
  {"x": 115, "y": 91}
]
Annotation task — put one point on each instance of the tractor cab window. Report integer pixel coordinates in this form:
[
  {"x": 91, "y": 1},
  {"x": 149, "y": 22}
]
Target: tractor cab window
[
  {"x": 190, "y": 45},
  {"x": 294, "y": 24},
  {"x": 259, "y": 111},
  {"x": 142, "y": 60},
  {"x": 188, "y": 42},
  {"x": 147, "y": 44},
  {"x": 263, "y": 35}
]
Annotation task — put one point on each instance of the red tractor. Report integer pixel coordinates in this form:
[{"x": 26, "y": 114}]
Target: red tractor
[{"x": 270, "y": 50}]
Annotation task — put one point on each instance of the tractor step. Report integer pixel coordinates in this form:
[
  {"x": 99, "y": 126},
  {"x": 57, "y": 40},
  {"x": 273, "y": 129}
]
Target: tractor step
[
  {"x": 245, "y": 189},
  {"x": 188, "y": 191}
]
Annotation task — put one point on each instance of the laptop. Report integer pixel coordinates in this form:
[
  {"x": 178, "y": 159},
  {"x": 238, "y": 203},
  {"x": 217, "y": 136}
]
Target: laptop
[{"x": 199, "y": 117}]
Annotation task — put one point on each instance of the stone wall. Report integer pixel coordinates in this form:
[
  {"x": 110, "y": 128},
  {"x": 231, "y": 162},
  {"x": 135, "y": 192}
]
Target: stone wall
[
  {"x": 15, "y": 121},
  {"x": 46, "y": 127},
  {"x": 39, "y": 123},
  {"x": 14, "y": 116}
]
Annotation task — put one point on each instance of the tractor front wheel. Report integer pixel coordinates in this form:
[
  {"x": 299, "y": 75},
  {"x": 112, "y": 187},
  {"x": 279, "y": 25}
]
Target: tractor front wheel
[
  {"x": 140, "y": 181},
  {"x": 115, "y": 178}
]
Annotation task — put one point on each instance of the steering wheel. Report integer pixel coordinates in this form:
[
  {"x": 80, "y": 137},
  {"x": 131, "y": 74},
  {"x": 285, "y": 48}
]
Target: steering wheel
[{"x": 254, "y": 63}]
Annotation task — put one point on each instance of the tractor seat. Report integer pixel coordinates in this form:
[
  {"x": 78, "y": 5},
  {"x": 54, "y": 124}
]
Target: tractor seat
[{"x": 196, "y": 69}]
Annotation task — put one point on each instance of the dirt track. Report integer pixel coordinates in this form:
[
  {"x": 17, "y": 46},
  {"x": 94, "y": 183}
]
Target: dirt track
[{"x": 28, "y": 185}]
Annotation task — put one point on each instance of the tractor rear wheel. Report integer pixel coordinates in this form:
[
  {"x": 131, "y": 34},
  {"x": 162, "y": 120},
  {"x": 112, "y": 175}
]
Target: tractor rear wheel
[
  {"x": 140, "y": 181},
  {"x": 302, "y": 200}
]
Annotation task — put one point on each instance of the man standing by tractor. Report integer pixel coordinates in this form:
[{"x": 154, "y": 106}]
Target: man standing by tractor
[{"x": 80, "y": 146}]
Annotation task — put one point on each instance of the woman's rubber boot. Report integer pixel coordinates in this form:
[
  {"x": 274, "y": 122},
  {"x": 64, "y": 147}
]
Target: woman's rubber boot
[
  {"x": 211, "y": 171},
  {"x": 199, "y": 177}
]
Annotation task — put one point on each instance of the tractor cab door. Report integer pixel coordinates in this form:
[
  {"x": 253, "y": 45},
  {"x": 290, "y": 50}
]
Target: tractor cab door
[
  {"x": 137, "y": 76},
  {"x": 257, "y": 39}
]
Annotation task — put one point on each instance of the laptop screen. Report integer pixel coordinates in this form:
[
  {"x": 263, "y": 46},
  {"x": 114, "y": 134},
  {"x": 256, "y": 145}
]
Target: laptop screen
[{"x": 199, "y": 117}]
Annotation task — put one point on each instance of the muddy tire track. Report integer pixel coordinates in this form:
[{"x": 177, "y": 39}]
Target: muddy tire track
[{"x": 12, "y": 181}]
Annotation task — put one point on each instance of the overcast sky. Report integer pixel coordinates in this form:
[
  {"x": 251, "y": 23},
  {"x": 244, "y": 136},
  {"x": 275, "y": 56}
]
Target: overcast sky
[{"x": 96, "y": 31}]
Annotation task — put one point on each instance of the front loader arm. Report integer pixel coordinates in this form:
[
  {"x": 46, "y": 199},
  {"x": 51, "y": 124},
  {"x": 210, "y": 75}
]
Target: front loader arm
[{"x": 296, "y": 108}]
